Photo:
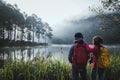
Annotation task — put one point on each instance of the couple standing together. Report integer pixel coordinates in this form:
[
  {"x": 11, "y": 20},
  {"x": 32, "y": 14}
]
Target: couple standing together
[{"x": 79, "y": 66}]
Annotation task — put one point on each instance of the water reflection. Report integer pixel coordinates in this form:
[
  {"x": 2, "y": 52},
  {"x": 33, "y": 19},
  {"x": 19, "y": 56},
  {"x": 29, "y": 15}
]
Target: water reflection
[{"x": 28, "y": 53}]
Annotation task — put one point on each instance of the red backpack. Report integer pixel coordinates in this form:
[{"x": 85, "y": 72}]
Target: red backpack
[{"x": 80, "y": 55}]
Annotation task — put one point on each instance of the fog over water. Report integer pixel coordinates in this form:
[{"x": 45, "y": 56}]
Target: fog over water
[
  {"x": 65, "y": 31},
  {"x": 89, "y": 26}
]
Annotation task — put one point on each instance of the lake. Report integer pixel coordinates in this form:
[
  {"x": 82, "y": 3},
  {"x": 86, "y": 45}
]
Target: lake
[{"x": 54, "y": 51}]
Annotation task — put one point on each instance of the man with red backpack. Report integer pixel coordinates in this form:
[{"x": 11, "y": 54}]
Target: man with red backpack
[{"x": 78, "y": 57}]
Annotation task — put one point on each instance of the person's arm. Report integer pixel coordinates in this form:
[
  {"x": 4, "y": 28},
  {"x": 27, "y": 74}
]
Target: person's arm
[
  {"x": 88, "y": 47},
  {"x": 70, "y": 54}
]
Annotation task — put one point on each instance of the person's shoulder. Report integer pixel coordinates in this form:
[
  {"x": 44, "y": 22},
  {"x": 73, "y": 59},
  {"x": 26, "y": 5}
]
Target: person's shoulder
[
  {"x": 94, "y": 47},
  {"x": 86, "y": 43},
  {"x": 72, "y": 46},
  {"x": 103, "y": 48}
]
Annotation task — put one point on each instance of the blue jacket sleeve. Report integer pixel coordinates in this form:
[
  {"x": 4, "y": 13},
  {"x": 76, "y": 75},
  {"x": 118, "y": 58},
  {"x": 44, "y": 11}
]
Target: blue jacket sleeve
[{"x": 70, "y": 54}]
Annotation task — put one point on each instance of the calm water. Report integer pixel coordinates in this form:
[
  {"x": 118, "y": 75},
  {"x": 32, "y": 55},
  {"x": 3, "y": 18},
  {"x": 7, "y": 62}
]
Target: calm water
[{"x": 54, "y": 51}]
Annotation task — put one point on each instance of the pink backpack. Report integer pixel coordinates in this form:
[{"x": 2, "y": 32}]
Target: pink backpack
[{"x": 80, "y": 55}]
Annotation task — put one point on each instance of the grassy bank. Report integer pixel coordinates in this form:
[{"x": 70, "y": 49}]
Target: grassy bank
[{"x": 47, "y": 69}]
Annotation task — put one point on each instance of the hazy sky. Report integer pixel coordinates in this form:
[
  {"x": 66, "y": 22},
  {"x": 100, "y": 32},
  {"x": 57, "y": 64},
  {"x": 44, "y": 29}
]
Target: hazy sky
[{"x": 54, "y": 11}]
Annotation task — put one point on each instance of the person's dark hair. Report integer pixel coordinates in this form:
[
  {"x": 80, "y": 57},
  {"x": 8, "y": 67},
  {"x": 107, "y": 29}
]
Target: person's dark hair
[
  {"x": 78, "y": 35},
  {"x": 97, "y": 40}
]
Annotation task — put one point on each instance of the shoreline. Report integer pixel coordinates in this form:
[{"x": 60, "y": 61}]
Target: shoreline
[{"x": 8, "y": 43}]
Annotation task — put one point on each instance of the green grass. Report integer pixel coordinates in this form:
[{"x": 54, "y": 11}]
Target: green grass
[
  {"x": 48, "y": 69},
  {"x": 113, "y": 72},
  {"x": 36, "y": 69}
]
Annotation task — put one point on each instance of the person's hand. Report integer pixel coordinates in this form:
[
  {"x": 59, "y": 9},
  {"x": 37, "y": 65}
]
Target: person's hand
[{"x": 90, "y": 61}]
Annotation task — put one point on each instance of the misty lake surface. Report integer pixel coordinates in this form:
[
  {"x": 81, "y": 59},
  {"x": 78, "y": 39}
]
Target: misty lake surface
[{"x": 55, "y": 51}]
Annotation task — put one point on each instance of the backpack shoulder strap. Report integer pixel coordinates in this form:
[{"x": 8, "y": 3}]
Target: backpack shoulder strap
[{"x": 104, "y": 50}]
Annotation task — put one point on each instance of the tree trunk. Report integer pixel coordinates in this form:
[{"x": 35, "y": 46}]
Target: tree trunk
[
  {"x": 33, "y": 33},
  {"x": 10, "y": 35},
  {"x": 15, "y": 34},
  {"x": 22, "y": 33},
  {"x": 38, "y": 38},
  {"x": 3, "y": 34}
]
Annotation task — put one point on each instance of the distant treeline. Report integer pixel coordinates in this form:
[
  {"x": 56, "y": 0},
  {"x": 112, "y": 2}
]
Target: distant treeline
[
  {"x": 17, "y": 26},
  {"x": 12, "y": 43},
  {"x": 108, "y": 29}
]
